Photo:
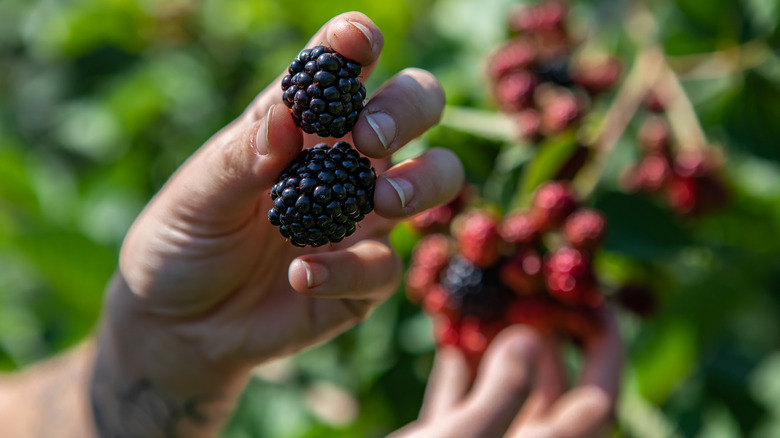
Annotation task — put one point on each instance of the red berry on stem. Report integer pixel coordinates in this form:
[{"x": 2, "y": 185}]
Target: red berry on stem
[
  {"x": 430, "y": 257},
  {"x": 523, "y": 272},
  {"x": 529, "y": 123},
  {"x": 518, "y": 227},
  {"x": 553, "y": 201},
  {"x": 560, "y": 113},
  {"x": 598, "y": 74},
  {"x": 478, "y": 239},
  {"x": 514, "y": 55},
  {"x": 513, "y": 92},
  {"x": 654, "y": 136},
  {"x": 570, "y": 277},
  {"x": 585, "y": 229}
]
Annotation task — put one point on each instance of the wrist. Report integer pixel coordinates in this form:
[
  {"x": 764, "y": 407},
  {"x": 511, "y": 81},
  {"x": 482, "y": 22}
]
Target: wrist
[{"x": 148, "y": 377}]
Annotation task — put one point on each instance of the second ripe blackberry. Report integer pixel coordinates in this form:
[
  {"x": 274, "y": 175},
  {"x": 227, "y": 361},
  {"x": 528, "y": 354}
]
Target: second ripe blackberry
[
  {"x": 324, "y": 91},
  {"x": 322, "y": 195}
]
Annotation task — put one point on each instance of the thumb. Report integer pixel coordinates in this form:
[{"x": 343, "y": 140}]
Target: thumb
[{"x": 222, "y": 182}]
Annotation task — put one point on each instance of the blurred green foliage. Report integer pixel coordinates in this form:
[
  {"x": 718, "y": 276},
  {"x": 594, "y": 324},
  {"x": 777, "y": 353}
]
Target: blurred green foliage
[{"x": 101, "y": 100}]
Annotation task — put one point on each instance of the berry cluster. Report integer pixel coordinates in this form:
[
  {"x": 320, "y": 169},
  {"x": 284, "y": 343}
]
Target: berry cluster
[
  {"x": 688, "y": 178},
  {"x": 322, "y": 195},
  {"x": 530, "y": 267},
  {"x": 536, "y": 78}
]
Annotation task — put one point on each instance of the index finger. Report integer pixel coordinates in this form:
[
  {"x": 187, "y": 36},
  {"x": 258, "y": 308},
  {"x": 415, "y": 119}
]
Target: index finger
[
  {"x": 587, "y": 409},
  {"x": 352, "y": 34}
]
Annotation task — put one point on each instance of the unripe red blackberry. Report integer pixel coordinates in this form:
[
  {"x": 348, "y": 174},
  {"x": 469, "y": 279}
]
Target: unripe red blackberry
[
  {"x": 513, "y": 91},
  {"x": 696, "y": 186},
  {"x": 560, "y": 113},
  {"x": 545, "y": 16},
  {"x": 585, "y": 229},
  {"x": 323, "y": 194},
  {"x": 654, "y": 136},
  {"x": 438, "y": 219},
  {"x": 529, "y": 124},
  {"x": 682, "y": 194},
  {"x": 697, "y": 162},
  {"x": 437, "y": 302},
  {"x": 324, "y": 91},
  {"x": 446, "y": 332},
  {"x": 650, "y": 175},
  {"x": 523, "y": 272},
  {"x": 514, "y": 55},
  {"x": 570, "y": 277},
  {"x": 430, "y": 257},
  {"x": 475, "y": 292},
  {"x": 476, "y": 335},
  {"x": 478, "y": 238},
  {"x": 518, "y": 227},
  {"x": 553, "y": 201},
  {"x": 598, "y": 74}
]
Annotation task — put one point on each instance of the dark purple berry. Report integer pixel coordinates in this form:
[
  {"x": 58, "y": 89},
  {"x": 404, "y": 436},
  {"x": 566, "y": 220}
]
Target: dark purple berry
[
  {"x": 324, "y": 91},
  {"x": 321, "y": 195}
]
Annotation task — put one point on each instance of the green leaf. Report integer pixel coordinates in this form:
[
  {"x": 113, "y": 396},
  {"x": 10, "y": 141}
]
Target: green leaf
[
  {"x": 639, "y": 227},
  {"x": 667, "y": 359},
  {"x": 551, "y": 157}
]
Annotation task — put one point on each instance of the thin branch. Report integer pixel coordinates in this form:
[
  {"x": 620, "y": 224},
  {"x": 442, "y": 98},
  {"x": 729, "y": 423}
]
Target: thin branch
[
  {"x": 642, "y": 77},
  {"x": 722, "y": 63},
  {"x": 682, "y": 117}
]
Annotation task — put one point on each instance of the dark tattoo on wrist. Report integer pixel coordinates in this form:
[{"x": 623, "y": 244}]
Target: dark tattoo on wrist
[{"x": 140, "y": 409}]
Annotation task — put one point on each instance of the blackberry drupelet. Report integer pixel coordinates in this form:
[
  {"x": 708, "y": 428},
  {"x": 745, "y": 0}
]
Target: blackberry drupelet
[
  {"x": 324, "y": 92},
  {"x": 475, "y": 292},
  {"x": 323, "y": 194}
]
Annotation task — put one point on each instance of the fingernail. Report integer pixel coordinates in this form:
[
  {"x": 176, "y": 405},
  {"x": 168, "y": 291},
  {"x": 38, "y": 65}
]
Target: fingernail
[
  {"x": 315, "y": 274},
  {"x": 364, "y": 30},
  {"x": 263, "y": 134},
  {"x": 383, "y": 125},
  {"x": 404, "y": 189}
]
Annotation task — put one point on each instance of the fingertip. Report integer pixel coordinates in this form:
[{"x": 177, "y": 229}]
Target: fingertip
[
  {"x": 356, "y": 37},
  {"x": 434, "y": 178},
  {"x": 305, "y": 276},
  {"x": 517, "y": 343}
]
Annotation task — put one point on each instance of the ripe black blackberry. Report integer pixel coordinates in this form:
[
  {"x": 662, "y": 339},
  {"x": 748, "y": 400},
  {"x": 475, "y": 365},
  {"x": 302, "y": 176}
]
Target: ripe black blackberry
[
  {"x": 324, "y": 92},
  {"x": 475, "y": 292},
  {"x": 323, "y": 194}
]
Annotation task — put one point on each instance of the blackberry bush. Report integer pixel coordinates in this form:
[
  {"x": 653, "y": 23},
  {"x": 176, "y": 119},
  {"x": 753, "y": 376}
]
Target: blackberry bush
[
  {"x": 324, "y": 91},
  {"x": 323, "y": 194}
]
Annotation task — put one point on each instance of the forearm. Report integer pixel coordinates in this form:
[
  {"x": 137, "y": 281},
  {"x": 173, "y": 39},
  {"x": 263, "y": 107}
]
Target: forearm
[
  {"x": 49, "y": 399},
  {"x": 154, "y": 382}
]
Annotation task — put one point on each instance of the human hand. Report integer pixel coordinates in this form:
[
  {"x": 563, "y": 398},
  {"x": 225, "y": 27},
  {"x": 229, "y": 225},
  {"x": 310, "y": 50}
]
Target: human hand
[
  {"x": 204, "y": 261},
  {"x": 521, "y": 391}
]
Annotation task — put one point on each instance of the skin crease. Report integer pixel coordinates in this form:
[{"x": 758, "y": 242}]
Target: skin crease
[{"x": 207, "y": 289}]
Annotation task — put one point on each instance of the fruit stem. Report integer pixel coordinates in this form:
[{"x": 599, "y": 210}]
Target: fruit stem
[
  {"x": 721, "y": 64},
  {"x": 680, "y": 113},
  {"x": 644, "y": 75}
]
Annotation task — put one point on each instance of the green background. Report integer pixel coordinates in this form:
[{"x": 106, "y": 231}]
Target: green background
[{"x": 101, "y": 100}]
